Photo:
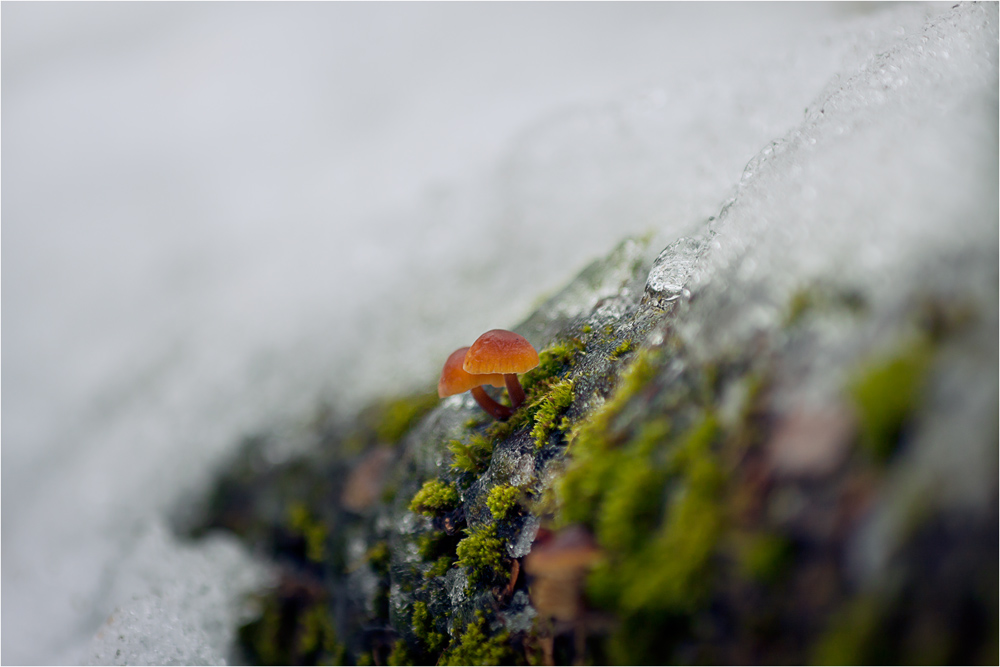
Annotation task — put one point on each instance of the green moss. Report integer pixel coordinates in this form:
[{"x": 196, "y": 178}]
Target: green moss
[
  {"x": 435, "y": 497},
  {"x": 624, "y": 348},
  {"x": 365, "y": 659},
  {"x": 553, "y": 361},
  {"x": 501, "y": 500},
  {"x": 288, "y": 633},
  {"x": 476, "y": 647},
  {"x": 399, "y": 414},
  {"x": 633, "y": 496},
  {"x": 819, "y": 298},
  {"x": 261, "y": 636},
  {"x": 850, "y": 637},
  {"x": 425, "y": 630},
  {"x": 587, "y": 328},
  {"x": 400, "y": 654},
  {"x": 800, "y": 303},
  {"x": 379, "y": 556},
  {"x": 548, "y": 408},
  {"x": 593, "y": 447},
  {"x": 689, "y": 533},
  {"x": 544, "y": 393},
  {"x": 481, "y": 553},
  {"x": 885, "y": 393},
  {"x": 317, "y": 636},
  {"x": 432, "y": 545},
  {"x": 472, "y": 457},
  {"x": 440, "y": 567},
  {"x": 314, "y": 532},
  {"x": 765, "y": 558}
]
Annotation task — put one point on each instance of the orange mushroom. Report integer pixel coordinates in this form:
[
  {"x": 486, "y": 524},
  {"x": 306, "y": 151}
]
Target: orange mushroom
[
  {"x": 454, "y": 380},
  {"x": 501, "y": 351}
]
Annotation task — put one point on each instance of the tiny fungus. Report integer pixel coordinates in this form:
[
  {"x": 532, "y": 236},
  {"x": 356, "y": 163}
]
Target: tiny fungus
[
  {"x": 455, "y": 380},
  {"x": 501, "y": 351}
]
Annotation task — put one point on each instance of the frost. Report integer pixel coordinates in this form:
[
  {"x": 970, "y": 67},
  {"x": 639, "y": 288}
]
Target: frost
[{"x": 177, "y": 605}]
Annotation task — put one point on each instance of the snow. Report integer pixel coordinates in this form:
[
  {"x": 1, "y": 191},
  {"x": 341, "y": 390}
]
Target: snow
[{"x": 219, "y": 216}]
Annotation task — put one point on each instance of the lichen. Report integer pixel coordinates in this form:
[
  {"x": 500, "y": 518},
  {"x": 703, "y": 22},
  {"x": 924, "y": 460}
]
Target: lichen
[
  {"x": 480, "y": 553},
  {"x": 476, "y": 647},
  {"x": 435, "y": 497},
  {"x": 501, "y": 500}
]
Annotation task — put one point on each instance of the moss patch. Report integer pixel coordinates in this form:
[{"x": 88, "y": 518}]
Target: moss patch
[
  {"x": 624, "y": 348},
  {"x": 553, "y": 361},
  {"x": 886, "y": 392},
  {"x": 440, "y": 567},
  {"x": 400, "y": 654},
  {"x": 435, "y": 497},
  {"x": 548, "y": 408},
  {"x": 313, "y": 531},
  {"x": 480, "y": 553},
  {"x": 289, "y": 633},
  {"x": 425, "y": 630},
  {"x": 378, "y": 556},
  {"x": 501, "y": 500},
  {"x": 476, "y": 647},
  {"x": 473, "y": 456}
]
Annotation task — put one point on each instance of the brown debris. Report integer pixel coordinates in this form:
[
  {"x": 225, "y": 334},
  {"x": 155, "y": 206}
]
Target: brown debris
[
  {"x": 811, "y": 443},
  {"x": 365, "y": 483},
  {"x": 557, "y": 566}
]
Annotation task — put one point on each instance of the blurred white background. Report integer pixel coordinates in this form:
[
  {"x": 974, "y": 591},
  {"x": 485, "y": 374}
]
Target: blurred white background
[{"x": 214, "y": 214}]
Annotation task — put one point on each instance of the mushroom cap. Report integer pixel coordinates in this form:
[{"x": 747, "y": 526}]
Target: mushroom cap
[
  {"x": 454, "y": 379},
  {"x": 500, "y": 351}
]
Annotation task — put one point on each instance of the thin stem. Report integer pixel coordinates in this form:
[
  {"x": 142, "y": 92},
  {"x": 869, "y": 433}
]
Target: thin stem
[
  {"x": 514, "y": 390},
  {"x": 497, "y": 411}
]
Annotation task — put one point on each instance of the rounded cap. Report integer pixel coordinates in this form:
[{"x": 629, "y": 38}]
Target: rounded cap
[
  {"x": 500, "y": 351},
  {"x": 454, "y": 379}
]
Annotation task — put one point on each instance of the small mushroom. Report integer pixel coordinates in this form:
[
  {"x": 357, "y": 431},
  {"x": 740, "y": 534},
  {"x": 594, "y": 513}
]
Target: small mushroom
[
  {"x": 501, "y": 351},
  {"x": 455, "y": 380}
]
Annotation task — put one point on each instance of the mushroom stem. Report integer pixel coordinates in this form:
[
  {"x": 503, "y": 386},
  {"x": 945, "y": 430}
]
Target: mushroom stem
[
  {"x": 499, "y": 412},
  {"x": 514, "y": 390}
]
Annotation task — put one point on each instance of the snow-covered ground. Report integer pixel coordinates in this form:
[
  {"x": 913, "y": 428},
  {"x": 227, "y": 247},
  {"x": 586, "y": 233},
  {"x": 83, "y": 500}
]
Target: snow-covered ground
[{"x": 218, "y": 216}]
